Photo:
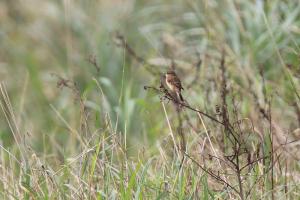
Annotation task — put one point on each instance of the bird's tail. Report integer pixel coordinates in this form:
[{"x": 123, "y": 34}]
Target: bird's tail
[{"x": 180, "y": 96}]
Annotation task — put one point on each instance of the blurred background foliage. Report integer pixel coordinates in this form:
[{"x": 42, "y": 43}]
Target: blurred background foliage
[
  {"x": 44, "y": 41},
  {"x": 41, "y": 40}
]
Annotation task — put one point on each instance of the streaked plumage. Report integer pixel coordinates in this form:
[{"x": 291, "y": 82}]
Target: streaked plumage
[{"x": 174, "y": 83}]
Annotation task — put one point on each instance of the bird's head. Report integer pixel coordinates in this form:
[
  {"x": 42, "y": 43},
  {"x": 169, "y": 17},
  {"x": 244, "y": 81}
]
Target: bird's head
[{"x": 170, "y": 72}]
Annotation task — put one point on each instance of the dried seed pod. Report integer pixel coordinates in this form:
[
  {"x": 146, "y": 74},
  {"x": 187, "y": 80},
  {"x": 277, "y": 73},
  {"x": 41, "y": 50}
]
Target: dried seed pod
[{"x": 218, "y": 110}]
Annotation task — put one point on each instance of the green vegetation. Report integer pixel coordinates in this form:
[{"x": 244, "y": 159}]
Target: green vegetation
[{"x": 77, "y": 121}]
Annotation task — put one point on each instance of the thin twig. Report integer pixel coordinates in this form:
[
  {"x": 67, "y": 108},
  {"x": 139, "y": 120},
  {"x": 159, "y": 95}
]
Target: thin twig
[
  {"x": 167, "y": 95},
  {"x": 215, "y": 176},
  {"x": 92, "y": 60},
  {"x": 170, "y": 128}
]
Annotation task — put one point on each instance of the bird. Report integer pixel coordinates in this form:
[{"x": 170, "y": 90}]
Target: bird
[{"x": 174, "y": 84}]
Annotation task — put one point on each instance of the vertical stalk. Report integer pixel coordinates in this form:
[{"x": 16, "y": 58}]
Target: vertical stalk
[
  {"x": 238, "y": 173},
  {"x": 272, "y": 152}
]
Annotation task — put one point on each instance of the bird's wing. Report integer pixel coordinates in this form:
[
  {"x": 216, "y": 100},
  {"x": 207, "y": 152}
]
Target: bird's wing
[{"x": 177, "y": 83}]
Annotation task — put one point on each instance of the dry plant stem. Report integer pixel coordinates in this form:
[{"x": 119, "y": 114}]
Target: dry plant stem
[
  {"x": 170, "y": 128},
  {"x": 180, "y": 130},
  {"x": 211, "y": 145},
  {"x": 294, "y": 87},
  {"x": 213, "y": 175},
  {"x": 228, "y": 128},
  {"x": 181, "y": 134},
  {"x": 262, "y": 75},
  {"x": 224, "y": 93},
  {"x": 285, "y": 180},
  {"x": 234, "y": 133},
  {"x": 66, "y": 83},
  {"x": 272, "y": 149},
  {"x": 11, "y": 120},
  {"x": 238, "y": 173},
  {"x": 166, "y": 95},
  {"x": 297, "y": 111},
  {"x": 11, "y": 155},
  {"x": 252, "y": 162},
  {"x": 234, "y": 159},
  {"x": 260, "y": 177},
  {"x": 72, "y": 131},
  {"x": 92, "y": 60}
]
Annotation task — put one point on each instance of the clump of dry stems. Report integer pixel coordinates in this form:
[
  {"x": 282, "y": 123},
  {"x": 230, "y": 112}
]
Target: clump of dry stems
[{"x": 236, "y": 154}]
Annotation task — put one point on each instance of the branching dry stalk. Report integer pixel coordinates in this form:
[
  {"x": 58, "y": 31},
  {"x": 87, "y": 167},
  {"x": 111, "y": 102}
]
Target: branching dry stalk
[
  {"x": 66, "y": 83},
  {"x": 238, "y": 156},
  {"x": 164, "y": 94},
  {"x": 93, "y": 61}
]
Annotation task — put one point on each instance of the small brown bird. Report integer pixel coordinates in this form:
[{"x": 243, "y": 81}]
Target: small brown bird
[{"x": 174, "y": 84}]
